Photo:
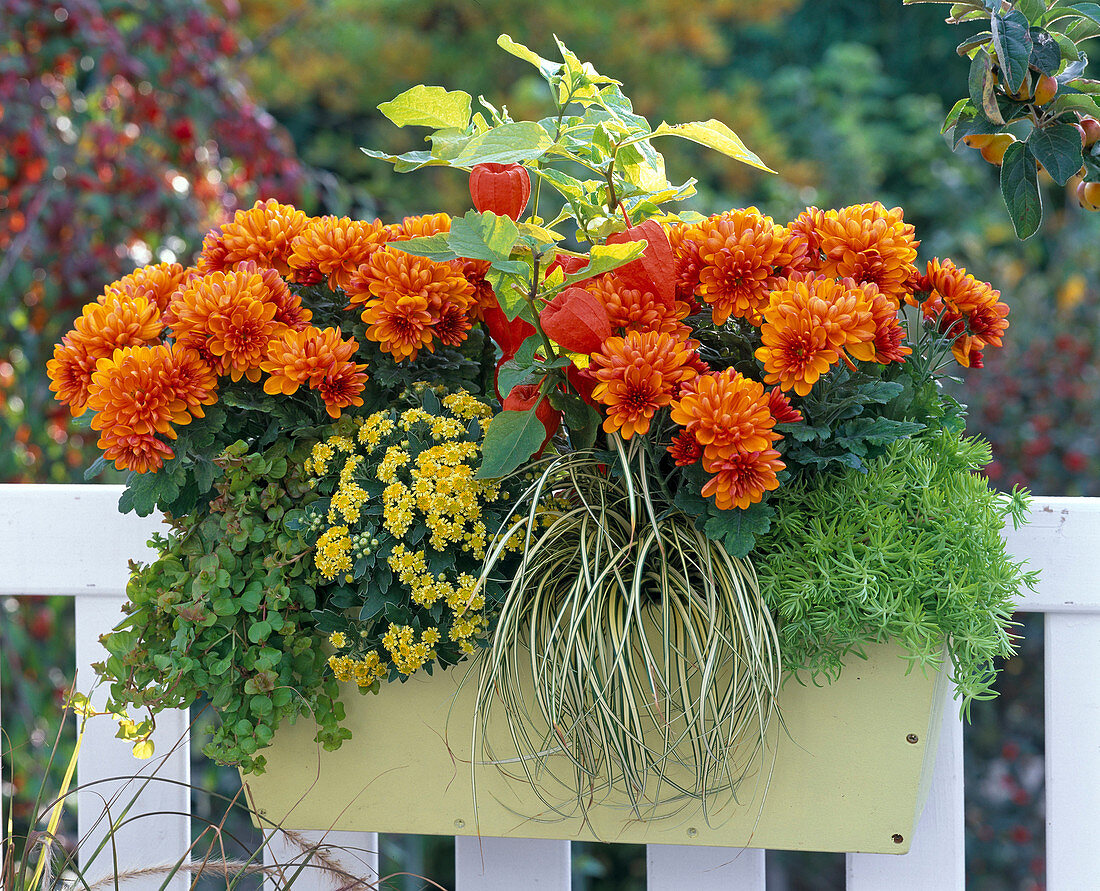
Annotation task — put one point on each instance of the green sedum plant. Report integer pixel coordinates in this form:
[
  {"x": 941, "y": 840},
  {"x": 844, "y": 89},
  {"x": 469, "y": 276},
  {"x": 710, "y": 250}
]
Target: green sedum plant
[{"x": 910, "y": 550}]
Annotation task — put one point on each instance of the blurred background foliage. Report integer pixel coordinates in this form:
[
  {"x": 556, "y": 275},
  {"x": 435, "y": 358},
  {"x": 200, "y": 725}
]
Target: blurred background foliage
[{"x": 129, "y": 127}]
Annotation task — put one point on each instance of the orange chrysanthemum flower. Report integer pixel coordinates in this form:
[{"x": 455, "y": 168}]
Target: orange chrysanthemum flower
[
  {"x": 229, "y": 318},
  {"x": 726, "y": 413},
  {"x": 807, "y": 227},
  {"x": 154, "y": 283},
  {"x": 141, "y": 452},
  {"x": 637, "y": 375},
  {"x": 868, "y": 243},
  {"x": 742, "y": 478},
  {"x": 781, "y": 409},
  {"x": 843, "y": 310},
  {"x": 401, "y": 323},
  {"x": 685, "y": 449},
  {"x": 188, "y": 377},
  {"x": 119, "y": 321},
  {"x": 474, "y": 271},
  {"x": 421, "y": 226},
  {"x": 70, "y": 373},
  {"x": 131, "y": 393},
  {"x": 407, "y": 297},
  {"x": 451, "y": 326},
  {"x": 634, "y": 310},
  {"x": 684, "y": 241},
  {"x": 889, "y": 342},
  {"x": 969, "y": 309},
  {"x": 263, "y": 233},
  {"x": 288, "y": 305},
  {"x": 304, "y": 357},
  {"x": 741, "y": 251},
  {"x": 337, "y": 247},
  {"x": 795, "y": 348},
  {"x": 341, "y": 387}
]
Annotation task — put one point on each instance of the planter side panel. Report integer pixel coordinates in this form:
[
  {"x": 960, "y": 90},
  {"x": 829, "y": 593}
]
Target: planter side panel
[{"x": 843, "y": 773}]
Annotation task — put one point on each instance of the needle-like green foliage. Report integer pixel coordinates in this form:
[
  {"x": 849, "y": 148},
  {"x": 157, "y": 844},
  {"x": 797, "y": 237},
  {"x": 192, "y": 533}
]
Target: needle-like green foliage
[{"x": 909, "y": 551}]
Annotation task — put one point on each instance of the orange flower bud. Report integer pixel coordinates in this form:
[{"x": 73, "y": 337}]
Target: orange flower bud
[
  {"x": 500, "y": 188},
  {"x": 576, "y": 319},
  {"x": 655, "y": 270}
]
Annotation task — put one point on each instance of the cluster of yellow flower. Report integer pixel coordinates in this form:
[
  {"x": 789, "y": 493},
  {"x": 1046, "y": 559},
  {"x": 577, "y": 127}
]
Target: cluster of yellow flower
[
  {"x": 420, "y": 464},
  {"x": 364, "y": 670}
]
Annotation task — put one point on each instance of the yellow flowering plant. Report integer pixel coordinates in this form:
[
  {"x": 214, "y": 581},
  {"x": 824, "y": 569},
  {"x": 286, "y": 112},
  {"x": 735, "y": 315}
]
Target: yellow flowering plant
[{"x": 400, "y": 532}]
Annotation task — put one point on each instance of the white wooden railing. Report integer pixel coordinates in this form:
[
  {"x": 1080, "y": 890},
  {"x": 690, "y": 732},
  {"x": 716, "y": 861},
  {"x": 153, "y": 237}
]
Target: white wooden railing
[{"x": 71, "y": 540}]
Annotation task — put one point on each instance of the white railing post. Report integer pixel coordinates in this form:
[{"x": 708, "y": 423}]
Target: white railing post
[
  {"x": 1072, "y": 655},
  {"x": 71, "y": 540},
  {"x": 701, "y": 868},
  {"x": 320, "y": 861},
  {"x": 506, "y": 864}
]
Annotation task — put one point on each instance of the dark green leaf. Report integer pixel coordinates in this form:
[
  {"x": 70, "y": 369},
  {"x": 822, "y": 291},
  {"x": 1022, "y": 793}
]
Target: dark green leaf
[
  {"x": 1020, "y": 189},
  {"x": 374, "y": 604},
  {"x": 1012, "y": 40},
  {"x": 972, "y": 121},
  {"x": 737, "y": 529},
  {"x": 97, "y": 467},
  {"x": 980, "y": 85},
  {"x": 512, "y": 373},
  {"x": 512, "y": 438},
  {"x": 1058, "y": 148},
  {"x": 1046, "y": 55}
]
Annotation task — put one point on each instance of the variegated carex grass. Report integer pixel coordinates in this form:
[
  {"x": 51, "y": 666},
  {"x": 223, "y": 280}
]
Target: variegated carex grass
[{"x": 634, "y": 663}]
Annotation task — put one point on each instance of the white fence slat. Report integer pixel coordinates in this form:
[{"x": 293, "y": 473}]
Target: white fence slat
[
  {"x": 1072, "y": 646},
  {"x": 936, "y": 861},
  {"x": 68, "y": 539},
  {"x": 157, "y": 828},
  {"x": 508, "y": 864},
  {"x": 1062, "y": 540},
  {"x": 701, "y": 868},
  {"x": 353, "y": 853}
]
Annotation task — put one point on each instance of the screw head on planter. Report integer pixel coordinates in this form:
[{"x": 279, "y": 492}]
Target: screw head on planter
[
  {"x": 500, "y": 188},
  {"x": 576, "y": 319},
  {"x": 524, "y": 397}
]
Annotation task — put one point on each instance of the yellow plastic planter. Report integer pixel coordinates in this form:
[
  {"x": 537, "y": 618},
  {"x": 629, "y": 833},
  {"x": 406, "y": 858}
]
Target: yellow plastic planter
[{"x": 852, "y": 766}]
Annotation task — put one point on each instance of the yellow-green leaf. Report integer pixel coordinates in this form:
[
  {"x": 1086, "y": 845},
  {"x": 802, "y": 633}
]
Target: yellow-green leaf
[
  {"x": 605, "y": 257},
  {"x": 518, "y": 50},
  {"x": 542, "y": 234},
  {"x": 715, "y": 135},
  {"x": 424, "y": 106}
]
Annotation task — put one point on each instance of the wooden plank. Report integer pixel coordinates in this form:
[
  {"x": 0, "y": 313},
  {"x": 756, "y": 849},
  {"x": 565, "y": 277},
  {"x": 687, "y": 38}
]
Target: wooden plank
[
  {"x": 506, "y": 864},
  {"x": 672, "y": 867},
  {"x": 68, "y": 540},
  {"x": 1072, "y": 645},
  {"x": 937, "y": 856},
  {"x": 156, "y": 830},
  {"x": 1062, "y": 540},
  {"x": 332, "y": 860}
]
